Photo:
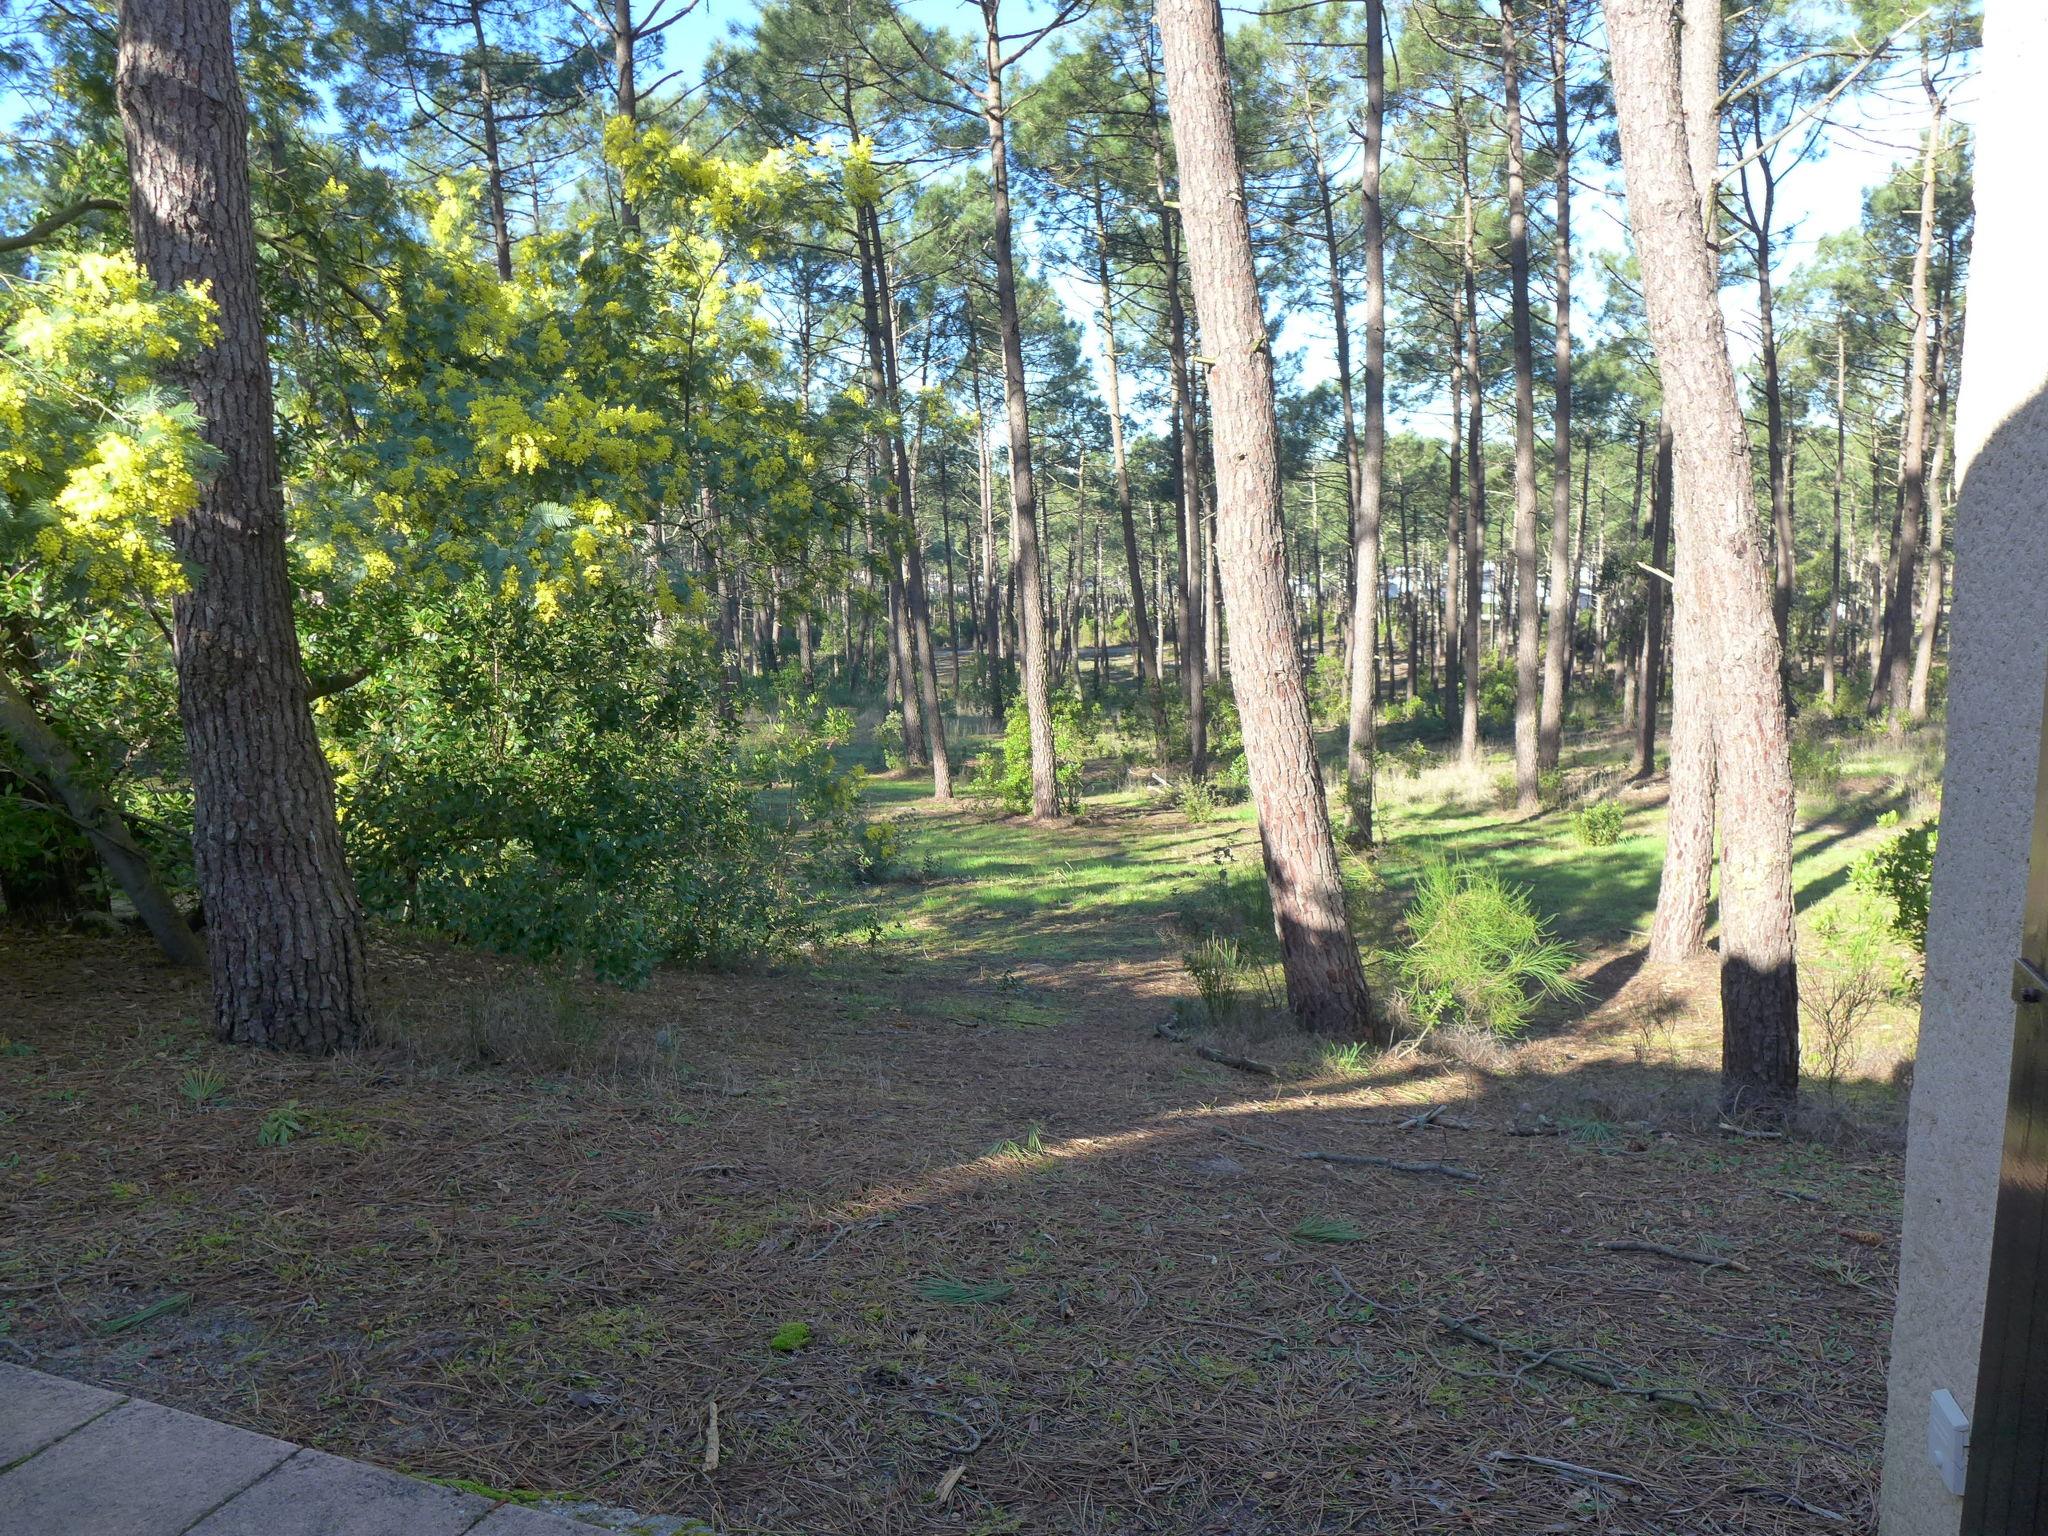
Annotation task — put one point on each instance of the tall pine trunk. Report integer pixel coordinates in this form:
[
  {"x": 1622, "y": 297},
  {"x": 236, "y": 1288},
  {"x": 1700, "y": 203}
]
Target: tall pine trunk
[
  {"x": 1528, "y": 612},
  {"x": 1564, "y": 576},
  {"x": 284, "y": 928},
  {"x": 1045, "y": 799},
  {"x": 1719, "y": 559},
  {"x": 1368, "y": 466},
  {"x": 1326, "y": 988},
  {"x": 1893, "y": 663},
  {"x": 1141, "y": 619},
  {"x": 1650, "y": 677},
  {"x": 1828, "y": 661}
]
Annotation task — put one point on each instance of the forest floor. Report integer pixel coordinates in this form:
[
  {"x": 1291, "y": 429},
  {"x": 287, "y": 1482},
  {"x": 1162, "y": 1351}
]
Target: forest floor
[{"x": 939, "y": 1234}]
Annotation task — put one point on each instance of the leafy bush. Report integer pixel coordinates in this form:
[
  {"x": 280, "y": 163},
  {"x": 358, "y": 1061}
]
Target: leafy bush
[
  {"x": 1216, "y": 965},
  {"x": 1196, "y": 800},
  {"x": 1002, "y": 774},
  {"x": 1598, "y": 825},
  {"x": 564, "y": 787},
  {"x": 1478, "y": 955},
  {"x": 1329, "y": 689},
  {"x": 1900, "y": 871},
  {"x": 1816, "y": 765}
]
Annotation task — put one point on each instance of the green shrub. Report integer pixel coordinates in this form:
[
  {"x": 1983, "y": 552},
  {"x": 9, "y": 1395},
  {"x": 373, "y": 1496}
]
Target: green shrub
[
  {"x": 1216, "y": 966},
  {"x": 1196, "y": 800},
  {"x": 566, "y": 787},
  {"x": 1900, "y": 871},
  {"x": 1816, "y": 765},
  {"x": 1478, "y": 955},
  {"x": 1329, "y": 689},
  {"x": 1002, "y": 774},
  {"x": 1598, "y": 825}
]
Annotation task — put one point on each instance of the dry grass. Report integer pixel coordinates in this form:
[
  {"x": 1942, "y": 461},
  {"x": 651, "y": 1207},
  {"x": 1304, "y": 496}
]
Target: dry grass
[{"x": 531, "y": 1240}]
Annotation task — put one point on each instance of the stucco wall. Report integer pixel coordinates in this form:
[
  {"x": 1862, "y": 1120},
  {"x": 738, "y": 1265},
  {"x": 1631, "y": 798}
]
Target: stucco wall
[{"x": 1998, "y": 662}]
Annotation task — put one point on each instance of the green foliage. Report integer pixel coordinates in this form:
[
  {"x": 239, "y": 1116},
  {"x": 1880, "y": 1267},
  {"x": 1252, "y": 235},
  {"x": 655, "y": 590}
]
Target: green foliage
[
  {"x": 955, "y": 1292},
  {"x": 563, "y": 788},
  {"x": 1816, "y": 765},
  {"x": 1002, "y": 774},
  {"x": 281, "y": 1126},
  {"x": 1217, "y": 966},
  {"x": 1478, "y": 954},
  {"x": 1196, "y": 799},
  {"x": 1327, "y": 1229},
  {"x": 1598, "y": 825},
  {"x": 1012, "y": 1150},
  {"x": 1900, "y": 872},
  {"x": 202, "y": 1085},
  {"x": 1329, "y": 689},
  {"x": 1351, "y": 1058},
  {"x": 790, "y": 1338}
]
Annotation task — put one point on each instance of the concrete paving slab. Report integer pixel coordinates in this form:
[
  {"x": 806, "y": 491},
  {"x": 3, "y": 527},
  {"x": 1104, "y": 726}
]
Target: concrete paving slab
[
  {"x": 518, "y": 1520},
  {"x": 315, "y": 1494},
  {"x": 138, "y": 1470},
  {"x": 38, "y": 1410}
]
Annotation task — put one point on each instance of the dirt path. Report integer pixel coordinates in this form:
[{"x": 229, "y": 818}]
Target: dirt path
[{"x": 952, "y": 1241}]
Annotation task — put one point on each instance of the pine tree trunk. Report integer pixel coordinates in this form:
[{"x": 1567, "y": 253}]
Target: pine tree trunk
[
  {"x": 1325, "y": 980},
  {"x": 1690, "y": 931},
  {"x": 1564, "y": 578},
  {"x": 285, "y": 931},
  {"x": 626, "y": 94},
  {"x": 494, "y": 171},
  {"x": 1930, "y": 600},
  {"x": 1898, "y": 618},
  {"x": 1475, "y": 490},
  {"x": 1134, "y": 566},
  {"x": 1719, "y": 559},
  {"x": 1369, "y": 470},
  {"x": 926, "y": 673},
  {"x": 1528, "y": 612},
  {"x": 1045, "y": 797},
  {"x": 1828, "y": 656}
]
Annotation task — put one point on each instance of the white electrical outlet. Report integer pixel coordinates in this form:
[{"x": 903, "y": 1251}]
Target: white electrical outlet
[{"x": 1948, "y": 1439}]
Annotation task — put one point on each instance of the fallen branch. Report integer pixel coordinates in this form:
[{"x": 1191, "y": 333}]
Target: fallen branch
[
  {"x": 1556, "y": 1360},
  {"x": 1357, "y": 1159},
  {"x": 1569, "y": 1467},
  {"x": 1434, "y": 1115},
  {"x": 1748, "y": 1134},
  {"x": 1791, "y": 1499},
  {"x": 1241, "y": 1063},
  {"x": 1710, "y": 1260},
  {"x": 1399, "y": 1165}
]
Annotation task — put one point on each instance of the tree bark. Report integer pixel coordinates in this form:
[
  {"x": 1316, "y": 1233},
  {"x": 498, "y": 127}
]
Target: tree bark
[
  {"x": 1045, "y": 799},
  {"x": 1690, "y": 929},
  {"x": 1141, "y": 620},
  {"x": 1368, "y": 470},
  {"x": 1564, "y": 582},
  {"x": 1893, "y": 689},
  {"x": 926, "y": 671},
  {"x": 285, "y": 940},
  {"x": 626, "y": 94},
  {"x": 1833, "y": 645},
  {"x": 1475, "y": 483},
  {"x": 494, "y": 171},
  {"x": 1719, "y": 557},
  {"x": 1930, "y": 600},
  {"x": 1326, "y": 988},
  {"x": 1528, "y": 612}
]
